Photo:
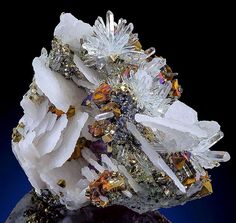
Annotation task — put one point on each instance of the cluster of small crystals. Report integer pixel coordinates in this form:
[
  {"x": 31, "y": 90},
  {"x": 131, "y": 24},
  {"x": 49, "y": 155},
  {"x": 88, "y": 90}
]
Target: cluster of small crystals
[
  {"x": 119, "y": 107},
  {"x": 45, "y": 208},
  {"x": 114, "y": 51},
  {"x": 122, "y": 160},
  {"x": 112, "y": 106},
  {"x": 102, "y": 190},
  {"x": 110, "y": 42},
  {"x": 17, "y": 132},
  {"x": 61, "y": 60}
]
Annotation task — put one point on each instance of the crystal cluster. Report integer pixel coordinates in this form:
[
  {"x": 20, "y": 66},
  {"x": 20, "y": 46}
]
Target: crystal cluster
[{"x": 103, "y": 123}]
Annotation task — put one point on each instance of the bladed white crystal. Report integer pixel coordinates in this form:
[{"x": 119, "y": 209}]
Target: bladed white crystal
[
  {"x": 34, "y": 113},
  {"x": 91, "y": 75},
  {"x": 179, "y": 111},
  {"x": 71, "y": 134},
  {"x": 131, "y": 181},
  {"x": 90, "y": 176},
  {"x": 62, "y": 93},
  {"x": 70, "y": 30},
  {"x": 91, "y": 159},
  {"x": 159, "y": 123},
  {"x": 109, "y": 163},
  {"x": 48, "y": 142},
  {"x": 104, "y": 115},
  {"x": 46, "y": 124}
]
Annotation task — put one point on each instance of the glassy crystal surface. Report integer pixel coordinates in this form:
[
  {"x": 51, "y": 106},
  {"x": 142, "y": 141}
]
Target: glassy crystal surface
[{"x": 103, "y": 125}]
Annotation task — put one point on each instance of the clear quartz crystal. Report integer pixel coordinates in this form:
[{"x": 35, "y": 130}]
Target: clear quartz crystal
[
  {"x": 207, "y": 158},
  {"x": 208, "y": 143},
  {"x": 149, "y": 92},
  {"x": 103, "y": 116},
  {"x": 110, "y": 41},
  {"x": 219, "y": 156}
]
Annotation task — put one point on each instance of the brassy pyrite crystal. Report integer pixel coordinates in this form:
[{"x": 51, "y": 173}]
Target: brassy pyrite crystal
[{"x": 103, "y": 124}]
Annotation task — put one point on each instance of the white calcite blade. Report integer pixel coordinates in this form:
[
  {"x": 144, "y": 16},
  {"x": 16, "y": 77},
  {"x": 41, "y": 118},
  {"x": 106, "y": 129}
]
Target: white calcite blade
[
  {"x": 68, "y": 172},
  {"x": 182, "y": 113},
  {"x": 62, "y": 154},
  {"x": 211, "y": 127},
  {"x": 30, "y": 172},
  {"x": 81, "y": 200},
  {"x": 130, "y": 179},
  {"x": 70, "y": 175},
  {"x": 34, "y": 113},
  {"x": 83, "y": 183},
  {"x": 180, "y": 124},
  {"x": 159, "y": 123},
  {"x": 91, "y": 159},
  {"x": 48, "y": 142},
  {"x": 46, "y": 125},
  {"x": 70, "y": 30},
  {"x": 108, "y": 162},
  {"x": 83, "y": 83},
  {"x": 35, "y": 179},
  {"x": 28, "y": 150},
  {"x": 90, "y": 175},
  {"x": 61, "y": 92}
]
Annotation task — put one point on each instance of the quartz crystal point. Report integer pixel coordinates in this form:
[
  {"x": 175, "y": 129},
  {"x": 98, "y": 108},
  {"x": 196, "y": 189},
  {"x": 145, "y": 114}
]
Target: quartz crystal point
[
  {"x": 109, "y": 41},
  {"x": 103, "y": 123}
]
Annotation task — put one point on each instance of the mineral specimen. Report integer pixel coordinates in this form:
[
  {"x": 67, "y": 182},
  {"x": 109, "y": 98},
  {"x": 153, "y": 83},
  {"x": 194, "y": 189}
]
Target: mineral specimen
[
  {"x": 103, "y": 123},
  {"x": 47, "y": 208}
]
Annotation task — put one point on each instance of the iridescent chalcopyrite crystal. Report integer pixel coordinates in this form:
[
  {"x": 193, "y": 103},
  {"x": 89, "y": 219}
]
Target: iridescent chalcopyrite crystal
[{"x": 103, "y": 123}]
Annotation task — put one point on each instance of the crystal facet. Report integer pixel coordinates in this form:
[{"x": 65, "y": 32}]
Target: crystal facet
[{"x": 103, "y": 124}]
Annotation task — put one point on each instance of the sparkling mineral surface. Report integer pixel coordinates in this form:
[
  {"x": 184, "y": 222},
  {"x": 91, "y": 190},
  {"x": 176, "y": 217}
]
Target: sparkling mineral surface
[
  {"x": 103, "y": 124},
  {"x": 47, "y": 208}
]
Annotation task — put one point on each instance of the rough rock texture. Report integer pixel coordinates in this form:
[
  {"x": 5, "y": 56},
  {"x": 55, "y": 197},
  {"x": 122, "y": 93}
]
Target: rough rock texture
[{"x": 88, "y": 214}]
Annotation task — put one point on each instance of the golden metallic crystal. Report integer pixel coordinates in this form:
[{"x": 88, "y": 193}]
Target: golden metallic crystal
[
  {"x": 71, "y": 112},
  {"x": 108, "y": 182},
  {"x": 17, "y": 132},
  {"x": 107, "y": 138},
  {"x": 102, "y": 94},
  {"x": 206, "y": 187},
  {"x": 178, "y": 161},
  {"x": 112, "y": 106},
  {"x": 61, "y": 183},
  {"x": 188, "y": 181},
  {"x": 138, "y": 46},
  {"x": 56, "y": 111},
  {"x": 149, "y": 134},
  {"x": 33, "y": 94},
  {"x": 81, "y": 143}
]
